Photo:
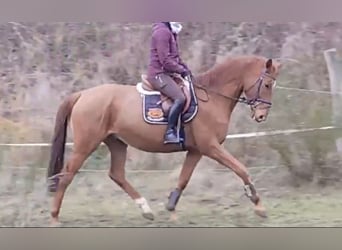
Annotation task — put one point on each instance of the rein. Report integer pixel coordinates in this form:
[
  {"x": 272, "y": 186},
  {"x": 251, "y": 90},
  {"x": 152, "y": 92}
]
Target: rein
[{"x": 250, "y": 102}]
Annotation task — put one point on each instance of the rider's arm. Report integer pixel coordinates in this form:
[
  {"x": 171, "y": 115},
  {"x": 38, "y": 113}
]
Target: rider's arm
[{"x": 183, "y": 64}]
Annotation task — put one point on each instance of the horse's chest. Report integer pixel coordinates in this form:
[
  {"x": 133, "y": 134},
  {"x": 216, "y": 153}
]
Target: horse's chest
[
  {"x": 219, "y": 127},
  {"x": 221, "y": 130},
  {"x": 214, "y": 122}
]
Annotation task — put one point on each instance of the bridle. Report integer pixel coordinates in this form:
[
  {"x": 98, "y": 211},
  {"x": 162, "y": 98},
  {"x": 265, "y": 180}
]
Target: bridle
[
  {"x": 253, "y": 102},
  {"x": 257, "y": 100}
]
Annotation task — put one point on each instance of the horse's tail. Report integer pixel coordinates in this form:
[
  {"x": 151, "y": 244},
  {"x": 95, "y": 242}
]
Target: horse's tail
[{"x": 59, "y": 138}]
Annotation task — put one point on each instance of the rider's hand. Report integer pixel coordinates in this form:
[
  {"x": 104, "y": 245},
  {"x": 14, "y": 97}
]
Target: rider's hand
[{"x": 186, "y": 73}]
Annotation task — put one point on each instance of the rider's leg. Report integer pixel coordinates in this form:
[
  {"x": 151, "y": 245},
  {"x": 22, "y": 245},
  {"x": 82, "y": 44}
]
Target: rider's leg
[{"x": 166, "y": 85}]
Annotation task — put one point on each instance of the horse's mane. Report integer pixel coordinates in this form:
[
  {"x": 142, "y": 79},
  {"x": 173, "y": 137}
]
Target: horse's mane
[{"x": 230, "y": 67}]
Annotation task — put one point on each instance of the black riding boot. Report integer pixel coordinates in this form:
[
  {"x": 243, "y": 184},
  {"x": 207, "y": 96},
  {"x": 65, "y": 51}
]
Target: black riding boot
[{"x": 171, "y": 131}]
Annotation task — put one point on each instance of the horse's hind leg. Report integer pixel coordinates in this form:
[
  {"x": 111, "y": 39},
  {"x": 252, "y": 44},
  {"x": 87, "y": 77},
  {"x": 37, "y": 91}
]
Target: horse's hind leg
[
  {"x": 74, "y": 163},
  {"x": 118, "y": 151}
]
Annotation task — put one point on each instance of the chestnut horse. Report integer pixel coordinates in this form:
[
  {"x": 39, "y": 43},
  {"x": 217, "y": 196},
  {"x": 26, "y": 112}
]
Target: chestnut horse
[{"x": 114, "y": 114}]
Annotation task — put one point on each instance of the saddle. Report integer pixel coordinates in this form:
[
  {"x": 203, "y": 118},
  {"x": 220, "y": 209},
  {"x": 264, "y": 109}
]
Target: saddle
[{"x": 165, "y": 101}]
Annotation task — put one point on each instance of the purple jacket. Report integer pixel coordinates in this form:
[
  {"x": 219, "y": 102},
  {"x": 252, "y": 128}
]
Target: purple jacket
[{"x": 164, "y": 55}]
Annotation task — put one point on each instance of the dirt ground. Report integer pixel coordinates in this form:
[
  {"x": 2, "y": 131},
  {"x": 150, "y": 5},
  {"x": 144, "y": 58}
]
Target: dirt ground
[{"x": 212, "y": 199}]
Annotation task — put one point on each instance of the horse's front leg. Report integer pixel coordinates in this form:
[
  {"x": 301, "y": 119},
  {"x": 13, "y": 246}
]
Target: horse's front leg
[
  {"x": 191, "y": 160},
  {"x": 218, "y": 153}
]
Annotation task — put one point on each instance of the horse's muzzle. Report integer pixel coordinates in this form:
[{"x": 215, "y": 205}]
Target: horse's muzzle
[
  {"x": 260, "y": 118},
  {"x": 259, "y": 115}
]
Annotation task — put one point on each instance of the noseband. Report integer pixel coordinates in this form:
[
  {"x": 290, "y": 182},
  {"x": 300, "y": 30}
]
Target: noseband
[{"x": 257, "y": 100}]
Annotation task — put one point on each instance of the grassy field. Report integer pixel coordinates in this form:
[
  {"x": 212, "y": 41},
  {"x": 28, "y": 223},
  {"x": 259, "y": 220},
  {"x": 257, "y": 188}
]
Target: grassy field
[{"x": 212, "y": 199}]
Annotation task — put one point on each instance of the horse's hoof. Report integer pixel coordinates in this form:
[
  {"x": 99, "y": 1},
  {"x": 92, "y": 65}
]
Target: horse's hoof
[
  {"x": 173, "y": 217},
  {"x": 260, "y": 211},
  {"x": 148, "y": 216},
  {"x": 55, "y": 223}
]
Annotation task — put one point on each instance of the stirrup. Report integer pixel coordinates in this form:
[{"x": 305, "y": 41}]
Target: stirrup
[
  {"x": 173, "y": 133},
  {"x": 176, "y": 141}
]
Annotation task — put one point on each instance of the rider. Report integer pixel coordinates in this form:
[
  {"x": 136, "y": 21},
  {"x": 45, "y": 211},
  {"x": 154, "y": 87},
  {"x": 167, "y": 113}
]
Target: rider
[{"x": 165, "y": 60}]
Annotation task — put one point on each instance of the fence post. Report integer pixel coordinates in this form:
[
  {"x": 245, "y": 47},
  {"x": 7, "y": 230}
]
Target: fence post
[{"x": 334, "y": 65}]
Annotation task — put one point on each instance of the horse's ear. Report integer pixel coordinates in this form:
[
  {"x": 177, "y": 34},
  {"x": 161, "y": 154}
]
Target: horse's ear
[
  {"x": 278, "y": 65},
  {"x": 269, "y": 64}
]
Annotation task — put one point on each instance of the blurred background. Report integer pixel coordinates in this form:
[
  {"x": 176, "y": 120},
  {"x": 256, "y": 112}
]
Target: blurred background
[{"x": 298, "y": 174}]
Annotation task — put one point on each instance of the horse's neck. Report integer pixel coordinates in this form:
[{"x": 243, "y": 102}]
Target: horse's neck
[{"x": 223, "y": 87}]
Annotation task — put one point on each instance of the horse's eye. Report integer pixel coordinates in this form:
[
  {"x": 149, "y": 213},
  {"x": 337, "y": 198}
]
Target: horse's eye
[{"x": 267, "y": 85}]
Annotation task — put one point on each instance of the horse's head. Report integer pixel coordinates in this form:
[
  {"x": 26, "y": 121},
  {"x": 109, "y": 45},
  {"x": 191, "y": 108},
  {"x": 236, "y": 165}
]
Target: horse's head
[{"x": 258, "y": 85}]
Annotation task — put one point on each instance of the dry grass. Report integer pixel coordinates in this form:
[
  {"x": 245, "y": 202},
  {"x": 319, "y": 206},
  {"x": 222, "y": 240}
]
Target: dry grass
[{"x": 94, "y": 201}]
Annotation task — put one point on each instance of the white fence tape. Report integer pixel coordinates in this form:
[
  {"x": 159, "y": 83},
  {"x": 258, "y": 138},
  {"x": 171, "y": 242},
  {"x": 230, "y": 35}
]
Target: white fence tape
[
  {"x": 278, "y": 87},
  {"x": 232, "y": 136},
  {"x": 310, "y": 90},
  {"x": 277, "y": 132}
]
